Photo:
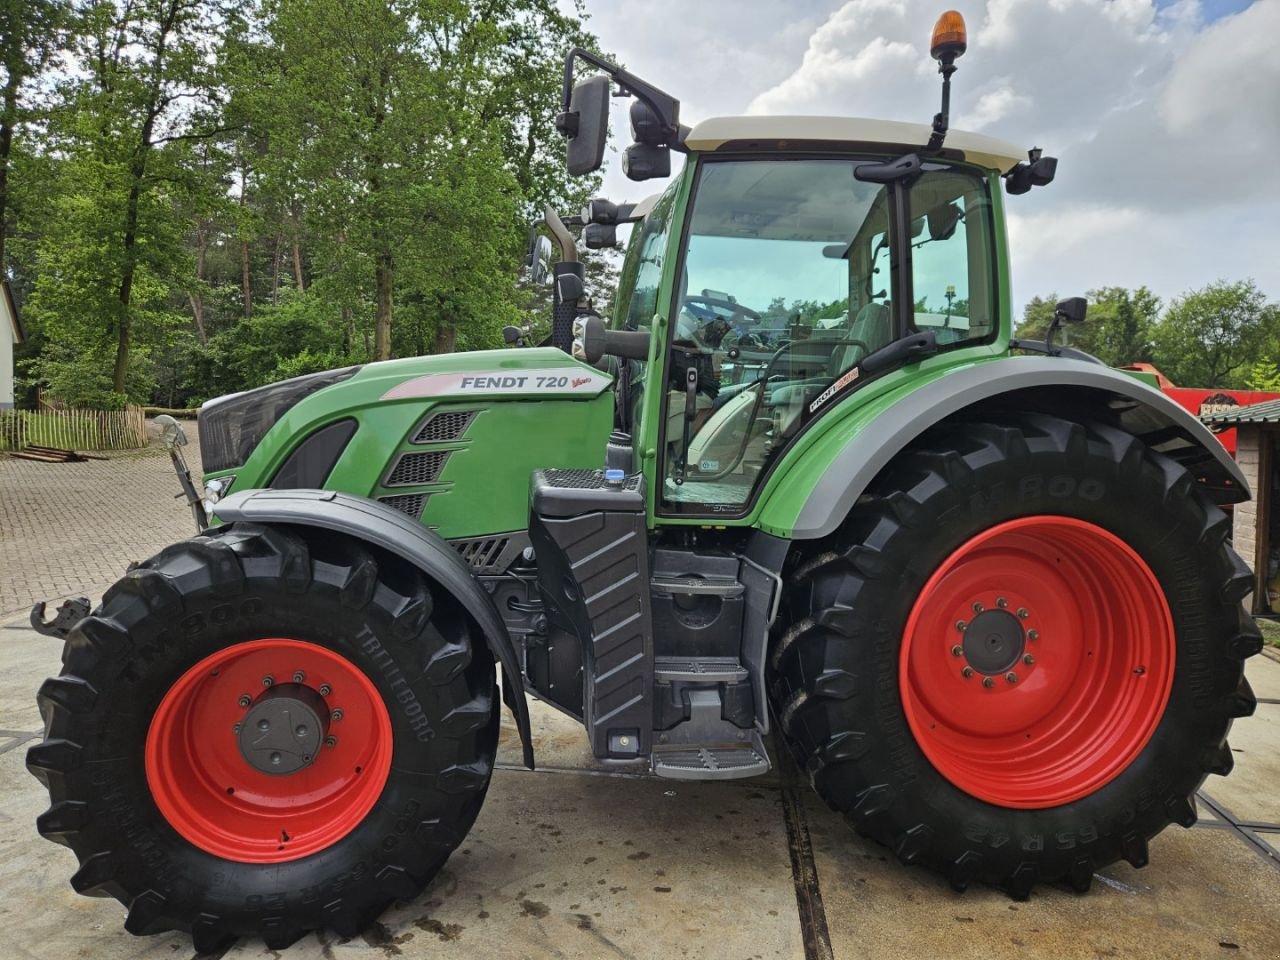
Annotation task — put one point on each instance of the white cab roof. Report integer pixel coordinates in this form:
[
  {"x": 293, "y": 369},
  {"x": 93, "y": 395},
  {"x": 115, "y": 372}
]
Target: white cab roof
[{"x": 711, "y": 134}]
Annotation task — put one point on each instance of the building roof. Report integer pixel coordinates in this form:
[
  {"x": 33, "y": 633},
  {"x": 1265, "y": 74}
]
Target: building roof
[
  {"x": 714, "y": 133},
  {"x": 1266, "y": 412},
  {"x": 9, "y": 307}
]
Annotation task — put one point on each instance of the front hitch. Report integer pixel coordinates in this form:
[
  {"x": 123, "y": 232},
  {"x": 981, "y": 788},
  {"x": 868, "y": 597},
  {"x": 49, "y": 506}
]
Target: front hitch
[{"x": 71, "y": 612}]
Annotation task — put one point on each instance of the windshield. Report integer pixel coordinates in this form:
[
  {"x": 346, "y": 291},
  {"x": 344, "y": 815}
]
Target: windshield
[{"x": 785, "y": 287}]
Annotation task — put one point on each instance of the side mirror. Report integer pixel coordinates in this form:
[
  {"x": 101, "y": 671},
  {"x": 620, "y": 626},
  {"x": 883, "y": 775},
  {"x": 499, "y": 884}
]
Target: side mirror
[
  {"x": 512, "y": 335},
  {"x": 586, "y": 124},
  {"x": 538, "y": 260},
  {"x": 942, "y": 221},
  {"x": 1071, "y": 310},
  {"x": 600, "y": 236},
  {"x": 1038, "y": 173}
]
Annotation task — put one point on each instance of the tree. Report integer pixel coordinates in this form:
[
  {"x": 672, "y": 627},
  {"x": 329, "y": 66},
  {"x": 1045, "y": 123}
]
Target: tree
[
  {"x": 1119, "y": 329},
  {"x": 146, "y": 84},
  {"x": 1212, "y": 336},
  {"x": 29, "y": 35}
]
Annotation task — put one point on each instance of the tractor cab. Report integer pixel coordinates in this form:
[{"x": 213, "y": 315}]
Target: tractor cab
[{"x": 772, "y": 278}]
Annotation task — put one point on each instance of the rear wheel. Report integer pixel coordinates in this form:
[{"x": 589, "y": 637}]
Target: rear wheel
[
  {"x": 1021, "y": 654},
  {"x": 261, "y": 733}
]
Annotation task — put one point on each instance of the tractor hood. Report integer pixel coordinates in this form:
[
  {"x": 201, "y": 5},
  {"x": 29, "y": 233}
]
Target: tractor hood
[{"x": 370, "y": 430}]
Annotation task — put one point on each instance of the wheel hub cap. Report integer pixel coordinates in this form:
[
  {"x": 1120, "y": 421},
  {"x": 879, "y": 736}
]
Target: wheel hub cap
[
  {"x": 283, "y": 731},
  {"x": 994, "y": 642}
]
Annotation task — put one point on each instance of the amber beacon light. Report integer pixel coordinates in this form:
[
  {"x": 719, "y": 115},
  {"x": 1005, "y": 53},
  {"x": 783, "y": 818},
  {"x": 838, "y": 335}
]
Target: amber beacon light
[{"x": 949, "y": 38}]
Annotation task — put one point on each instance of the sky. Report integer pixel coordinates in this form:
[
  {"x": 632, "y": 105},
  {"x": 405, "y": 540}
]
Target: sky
[{"x": 1164, "y": 114}]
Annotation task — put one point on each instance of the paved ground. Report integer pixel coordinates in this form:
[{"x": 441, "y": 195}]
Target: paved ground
[
  {"x": 73, "y": 528},
  {"x": 577, "y": 862}
]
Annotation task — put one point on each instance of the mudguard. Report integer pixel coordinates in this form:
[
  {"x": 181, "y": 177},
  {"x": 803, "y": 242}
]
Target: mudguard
[
  {"x": 1047, "y": 383},
  {"x": 382, "y": 526}
]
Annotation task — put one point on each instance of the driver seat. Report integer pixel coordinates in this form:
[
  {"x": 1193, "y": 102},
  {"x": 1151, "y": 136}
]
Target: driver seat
[{"x": 873, "y": 326}]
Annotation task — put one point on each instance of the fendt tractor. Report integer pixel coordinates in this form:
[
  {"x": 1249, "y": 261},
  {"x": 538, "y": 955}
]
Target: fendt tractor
[{"x": 981, "y": 589}]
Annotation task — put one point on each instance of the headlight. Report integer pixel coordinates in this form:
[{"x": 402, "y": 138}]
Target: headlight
[
  {"x": 215, "y": 490},
  {"x": 232, "y": 426}
]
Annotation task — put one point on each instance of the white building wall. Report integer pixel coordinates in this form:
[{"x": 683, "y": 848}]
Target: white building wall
[{"x": 6, "y": 361}]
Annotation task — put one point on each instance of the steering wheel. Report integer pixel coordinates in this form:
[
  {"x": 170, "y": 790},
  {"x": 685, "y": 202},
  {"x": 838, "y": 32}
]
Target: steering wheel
[{"x": 714, "y": 304}]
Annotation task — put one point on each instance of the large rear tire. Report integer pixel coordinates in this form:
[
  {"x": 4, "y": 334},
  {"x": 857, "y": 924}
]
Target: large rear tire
[
  {"x": 1021, "y": 654},
  {"x": 164, "y": 769}
]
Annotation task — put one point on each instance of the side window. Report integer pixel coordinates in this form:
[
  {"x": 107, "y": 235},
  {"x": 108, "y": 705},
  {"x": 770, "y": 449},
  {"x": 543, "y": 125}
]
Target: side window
[
  {"x": 951, "y": 257},
  {"x": 639, "y": 281}
]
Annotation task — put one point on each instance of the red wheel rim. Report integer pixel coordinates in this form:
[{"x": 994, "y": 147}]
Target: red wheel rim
[
  {"x": 217, "y": 800},
  {"x": 1084, "y": 691}
]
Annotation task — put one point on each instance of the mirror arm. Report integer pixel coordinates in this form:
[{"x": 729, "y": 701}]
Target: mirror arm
[
  {"x": 568, "y": 249},
  {"x": 663, "y": 104}
]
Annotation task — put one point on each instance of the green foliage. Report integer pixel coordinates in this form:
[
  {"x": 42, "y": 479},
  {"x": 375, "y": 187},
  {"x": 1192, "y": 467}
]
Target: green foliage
[
  {"x": 1264, "y": 375},
  {"x": 1212, "y": 337},
  {"x": 218, "y": 194},
  {"x": 1119, "y": 329}
]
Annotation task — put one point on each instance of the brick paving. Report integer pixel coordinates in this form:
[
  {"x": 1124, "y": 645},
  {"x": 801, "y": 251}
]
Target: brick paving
[{"x": 69, "y": 529}]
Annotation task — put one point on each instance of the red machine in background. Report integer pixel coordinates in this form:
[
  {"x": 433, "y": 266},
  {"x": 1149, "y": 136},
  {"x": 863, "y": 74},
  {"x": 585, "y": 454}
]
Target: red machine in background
[{"x": 1201, "y": 401}]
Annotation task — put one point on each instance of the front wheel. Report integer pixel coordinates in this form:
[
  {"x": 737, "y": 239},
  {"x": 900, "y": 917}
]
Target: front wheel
[
  {"x": 1021, "y": 654},
  {"x": 261, "y": 734}
]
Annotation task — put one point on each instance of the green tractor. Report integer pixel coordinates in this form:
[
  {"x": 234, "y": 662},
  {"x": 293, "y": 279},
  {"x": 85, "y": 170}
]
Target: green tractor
[{"x": 801, "y": 481}]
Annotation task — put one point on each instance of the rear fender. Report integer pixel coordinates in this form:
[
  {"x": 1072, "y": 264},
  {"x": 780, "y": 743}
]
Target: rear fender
[
  {"x": 371, "y": 522},
  {"x": 1050, "y": 384}
]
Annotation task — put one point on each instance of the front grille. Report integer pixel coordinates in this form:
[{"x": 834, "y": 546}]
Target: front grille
[
  {"x": 407, "y": 503},
  {"x": 414, "y": 468},
  {"x": 444, "y": 426}
]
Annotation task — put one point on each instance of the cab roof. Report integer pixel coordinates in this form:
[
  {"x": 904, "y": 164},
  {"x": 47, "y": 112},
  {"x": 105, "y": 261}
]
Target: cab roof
[{"x": 742, "y": 133}]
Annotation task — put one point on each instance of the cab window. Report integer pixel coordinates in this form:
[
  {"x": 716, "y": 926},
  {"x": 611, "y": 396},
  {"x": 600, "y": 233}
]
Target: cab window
[{"x": 784, "y": 288}]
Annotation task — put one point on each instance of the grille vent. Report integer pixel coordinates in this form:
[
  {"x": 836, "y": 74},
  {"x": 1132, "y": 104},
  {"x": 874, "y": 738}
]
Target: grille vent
[
  {"x": 444, "y": 426},
  {"x": 583, "y": 480},
  {"x": 415, "y": 468},
  {"x": 408, "y": 503},
  {"x": 491, "y": 555}
]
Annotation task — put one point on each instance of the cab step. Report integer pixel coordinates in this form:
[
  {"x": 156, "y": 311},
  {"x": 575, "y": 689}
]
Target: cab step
[
  {"x": 720, "y": 762},
  {"x": 699, "y": 669}
]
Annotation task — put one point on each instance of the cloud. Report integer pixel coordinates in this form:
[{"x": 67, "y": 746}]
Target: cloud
[{"x": 1166, "y": 125}]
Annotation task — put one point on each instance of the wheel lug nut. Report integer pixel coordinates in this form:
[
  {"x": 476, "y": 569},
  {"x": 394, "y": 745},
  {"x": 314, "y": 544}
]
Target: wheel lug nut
[
  {"x": 245, "y": 700},
  {"x": 337, "y": 714},
  {"x": 1023, "y": 613},
  {"x": 967, "y": 672},
  {"x": 1001, "y": 602},
  {"x": 299, "y": 676},
  {"x": 325, "y": 690},
  {"x": 961, "y": 626},
  {"x": 1033, "y": 634},
  {"x": 235, "y": 728},
  {"x": 1028, "y": 659},
  {"x": 331, "y": 741},
  {"x": 1011, "y": 677},
  {"x": 268, "y": 680},
  {"x": 988, "y": 682},
  {"x": 977, "y": 608}
]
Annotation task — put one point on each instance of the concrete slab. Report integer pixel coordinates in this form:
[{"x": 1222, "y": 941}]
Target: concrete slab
[
  {"x": 1252, "y": 791},
  {"x": 1263, "y": 672},
  {"x": 1205, "y": 894},
  {"x": 28, "y": 659},
  {"x": 572, "y": 866}
]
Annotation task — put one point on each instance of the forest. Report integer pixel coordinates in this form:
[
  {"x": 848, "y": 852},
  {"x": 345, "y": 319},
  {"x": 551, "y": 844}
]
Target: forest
[
  {"x": 202, "y": 196},
  {"x": 199, "y": 196}
]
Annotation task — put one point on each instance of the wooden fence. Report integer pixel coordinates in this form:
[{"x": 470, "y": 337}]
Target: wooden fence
[{"x": 73, "y": 429}]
